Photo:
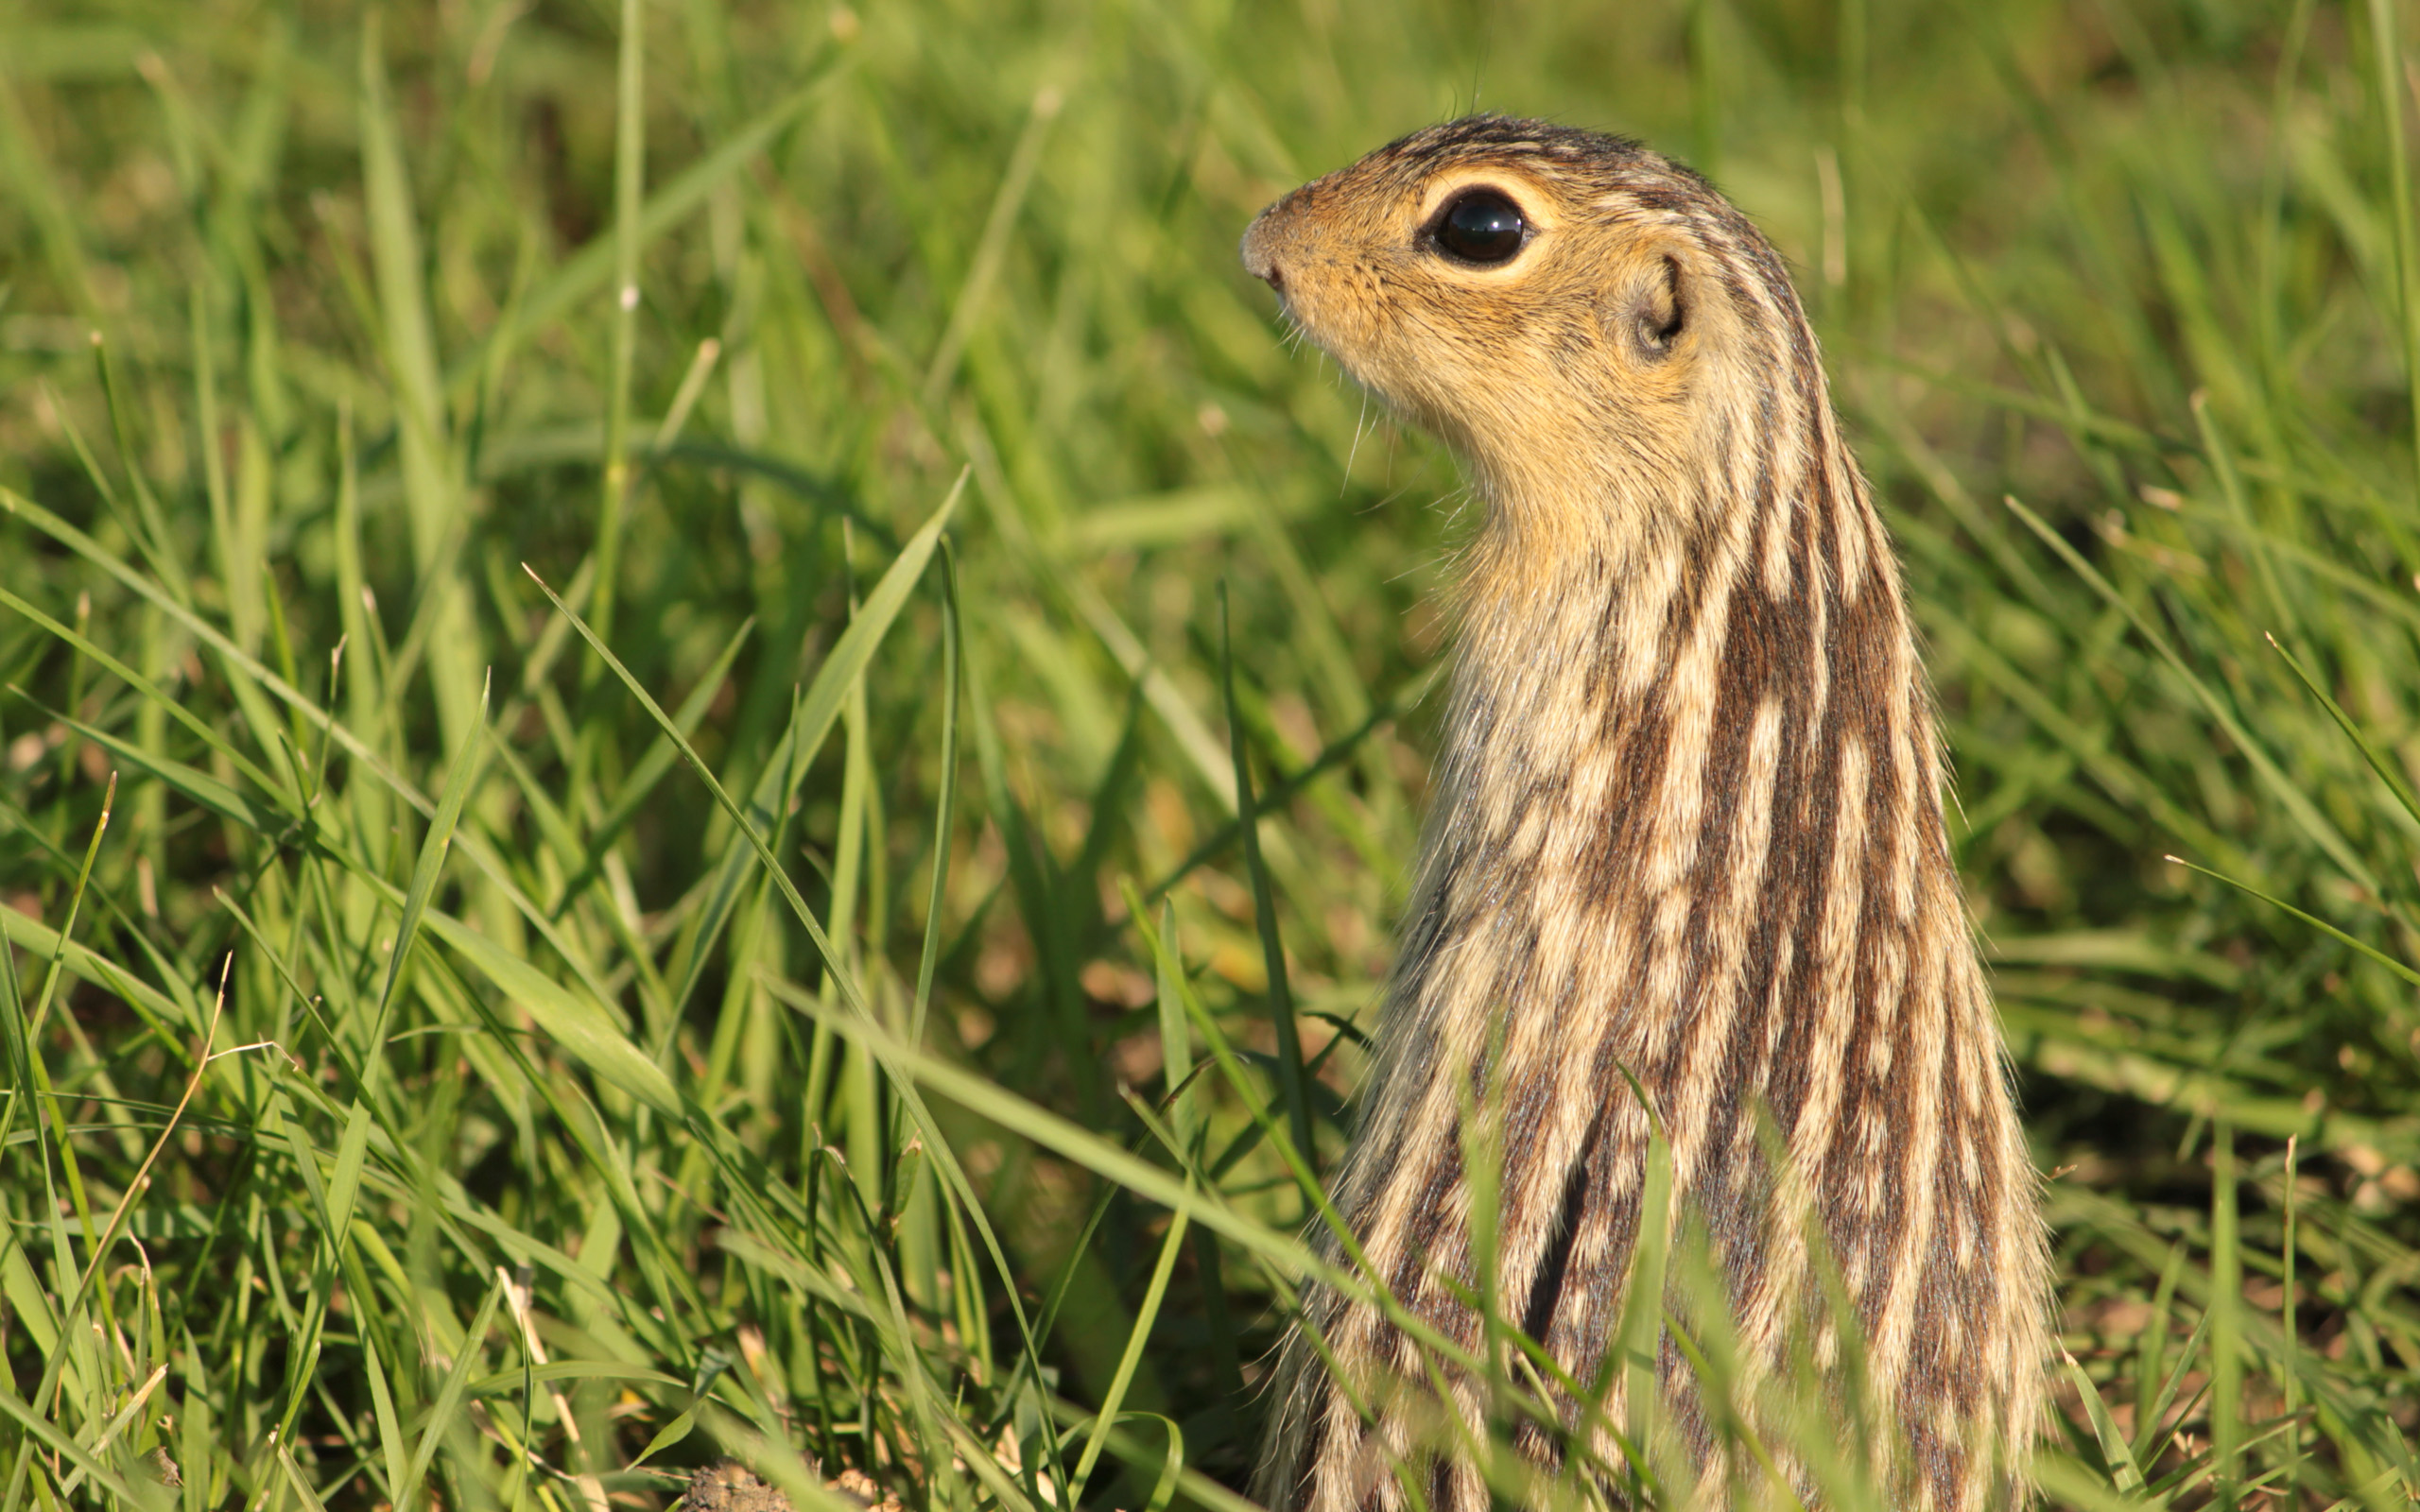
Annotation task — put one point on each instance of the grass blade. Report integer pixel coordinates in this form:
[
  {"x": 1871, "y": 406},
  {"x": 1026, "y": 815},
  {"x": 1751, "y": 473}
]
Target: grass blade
[
  {"x": 1145, "y": 1316},
  {"x": 449, "y": 1402},
  {"x": 2372, "y": 952},
  {"x": 1281, "y": 998},
  {"x": 2127, "y": 1475},
  {"x": 458, "y": 782}
]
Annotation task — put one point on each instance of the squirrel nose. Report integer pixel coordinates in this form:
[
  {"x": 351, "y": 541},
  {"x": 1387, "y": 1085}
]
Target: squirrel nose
[{"x": 1260, "y": 251}]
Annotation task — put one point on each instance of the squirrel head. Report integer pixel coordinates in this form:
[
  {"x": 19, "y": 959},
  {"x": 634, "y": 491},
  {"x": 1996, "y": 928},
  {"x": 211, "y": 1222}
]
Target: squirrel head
[{"x": 1583, "y": 321}]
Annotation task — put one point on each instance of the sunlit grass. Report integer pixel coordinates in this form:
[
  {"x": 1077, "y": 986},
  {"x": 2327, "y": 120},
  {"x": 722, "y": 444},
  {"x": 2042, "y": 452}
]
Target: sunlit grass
[{"x": 639, "y": 638}]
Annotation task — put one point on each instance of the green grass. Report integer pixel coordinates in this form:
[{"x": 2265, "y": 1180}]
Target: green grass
[{"x": 451, "y": 1066}]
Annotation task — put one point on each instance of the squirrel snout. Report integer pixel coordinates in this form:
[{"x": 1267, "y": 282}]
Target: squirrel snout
[{"x": 1260, "y": 248}]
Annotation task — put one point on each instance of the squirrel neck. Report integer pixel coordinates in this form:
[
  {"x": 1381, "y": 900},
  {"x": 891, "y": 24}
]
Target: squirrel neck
[{"x": 1692, "y": 694}]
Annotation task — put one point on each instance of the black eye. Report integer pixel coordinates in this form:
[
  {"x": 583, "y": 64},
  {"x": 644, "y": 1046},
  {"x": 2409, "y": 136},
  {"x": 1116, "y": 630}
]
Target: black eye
[{"x": 1480, "y": 227}]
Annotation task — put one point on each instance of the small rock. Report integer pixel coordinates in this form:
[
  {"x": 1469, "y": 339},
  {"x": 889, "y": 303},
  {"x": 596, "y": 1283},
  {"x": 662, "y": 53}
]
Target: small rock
[{"x": 727, "y": 1485}]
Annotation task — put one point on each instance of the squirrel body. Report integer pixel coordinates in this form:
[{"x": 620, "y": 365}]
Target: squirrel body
[{"x": 1687, "y": 842}]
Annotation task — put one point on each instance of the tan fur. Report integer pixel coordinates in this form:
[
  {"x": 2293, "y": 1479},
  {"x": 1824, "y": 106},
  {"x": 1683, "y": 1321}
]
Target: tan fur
[{"x": 1688, "y": 827}]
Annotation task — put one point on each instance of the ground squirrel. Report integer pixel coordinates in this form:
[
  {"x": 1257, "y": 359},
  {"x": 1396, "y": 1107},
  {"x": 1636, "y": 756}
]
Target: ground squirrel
[{"x": 1687, "y": 828}]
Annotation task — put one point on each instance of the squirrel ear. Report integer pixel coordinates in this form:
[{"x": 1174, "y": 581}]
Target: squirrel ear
[{"x": 1657, "y": 311}]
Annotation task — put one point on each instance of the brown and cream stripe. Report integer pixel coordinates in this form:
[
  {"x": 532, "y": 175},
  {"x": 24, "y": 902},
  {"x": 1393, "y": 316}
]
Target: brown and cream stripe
[{"x": 1688, "y": 829}]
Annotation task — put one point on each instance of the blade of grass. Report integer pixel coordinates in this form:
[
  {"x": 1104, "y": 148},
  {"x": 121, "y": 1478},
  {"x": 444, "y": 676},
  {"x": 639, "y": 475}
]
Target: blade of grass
[
  {"x": 1281, "y": 998},
  {"x": 2125, "y": 1474},
  {"x": 1145, "y": 1317},
  {"x": 629, "y": 188},
  {"x": 814, "y": 717},
  {"x": 449, "y": 1403},
  {"x": 425, "y": 872},
  {"x": 2289, "y": 1335},
  {"x": 2226, "y": 1289},
  {"x": 944, "y": 815},
  {"x": 2393, "y": 780},
  {"x": 432, "y": 490},
  {"x": 2372, "y": 952}
]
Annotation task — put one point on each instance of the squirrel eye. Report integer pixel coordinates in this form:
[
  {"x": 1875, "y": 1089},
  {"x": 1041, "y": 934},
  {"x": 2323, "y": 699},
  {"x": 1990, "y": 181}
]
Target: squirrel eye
[{"x": 1480, "y": 227}]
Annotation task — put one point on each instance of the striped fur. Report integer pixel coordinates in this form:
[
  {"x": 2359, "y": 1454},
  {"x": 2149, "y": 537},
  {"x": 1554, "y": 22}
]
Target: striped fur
[{"x": 1687, "y": 826}]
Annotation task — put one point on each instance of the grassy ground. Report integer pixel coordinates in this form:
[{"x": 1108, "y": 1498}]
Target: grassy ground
[{"x": 421, "y": 1090}]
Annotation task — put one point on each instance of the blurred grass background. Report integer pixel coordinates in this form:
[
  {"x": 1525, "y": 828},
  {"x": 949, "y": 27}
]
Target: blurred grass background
[{"x": 419, "y": 1092}]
